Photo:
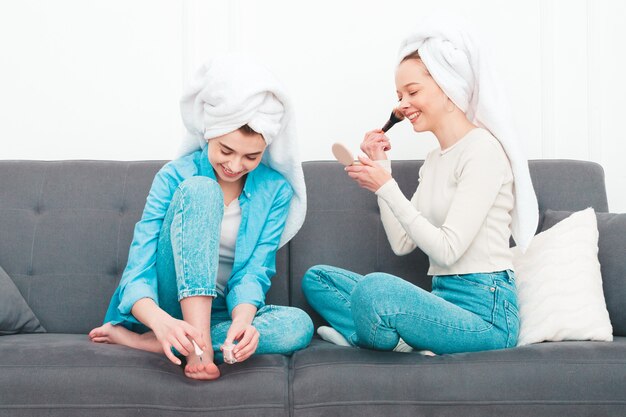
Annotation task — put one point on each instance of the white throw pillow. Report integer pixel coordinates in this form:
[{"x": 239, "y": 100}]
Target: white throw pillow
[{"x": 559, "y": 284}]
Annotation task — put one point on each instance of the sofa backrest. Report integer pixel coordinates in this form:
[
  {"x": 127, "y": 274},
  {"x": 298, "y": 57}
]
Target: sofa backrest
[{"x": 65, "y": 229}]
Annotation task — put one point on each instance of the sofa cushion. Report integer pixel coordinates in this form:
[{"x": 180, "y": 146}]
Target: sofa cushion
[
  {"x": 15, "y": 314},
  {"x": 68, "y": 375},
  {"x": 612, "y": 250},
  {"x": 560, "y": 286},
  {"x": 546, "y": 379}
]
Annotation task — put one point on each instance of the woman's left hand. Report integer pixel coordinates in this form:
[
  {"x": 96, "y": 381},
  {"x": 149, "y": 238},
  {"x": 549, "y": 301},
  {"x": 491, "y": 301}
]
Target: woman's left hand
[
  {"x": 247, "y": 336},
  {"x": 369, "y": 174}
]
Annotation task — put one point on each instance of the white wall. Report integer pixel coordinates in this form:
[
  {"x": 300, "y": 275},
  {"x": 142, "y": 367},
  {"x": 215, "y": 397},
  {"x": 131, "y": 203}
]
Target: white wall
[
  {"x": 101, "y": 79},
  {"x": 89, "y": 79}
]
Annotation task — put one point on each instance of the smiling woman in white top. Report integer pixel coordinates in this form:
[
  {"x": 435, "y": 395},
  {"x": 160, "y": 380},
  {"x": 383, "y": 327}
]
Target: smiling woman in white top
[{"x": 474, "y": 191}]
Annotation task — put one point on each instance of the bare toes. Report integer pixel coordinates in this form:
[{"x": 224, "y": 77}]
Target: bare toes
[
  {"x": 203, "y": 372},
  {"x": 101, "y": 331}
]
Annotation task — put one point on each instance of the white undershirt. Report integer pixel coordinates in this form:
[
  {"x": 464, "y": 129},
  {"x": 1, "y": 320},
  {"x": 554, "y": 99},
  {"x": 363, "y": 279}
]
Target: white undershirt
[{"x": 228, "y": 240}]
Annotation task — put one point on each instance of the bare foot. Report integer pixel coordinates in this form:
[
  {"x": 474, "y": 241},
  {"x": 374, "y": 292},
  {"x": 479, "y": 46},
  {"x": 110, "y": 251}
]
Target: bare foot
[
  {"x": 195, "y": 368},
  {"x": 203, "y": 369},
  {"x": 107, "y": 333}
]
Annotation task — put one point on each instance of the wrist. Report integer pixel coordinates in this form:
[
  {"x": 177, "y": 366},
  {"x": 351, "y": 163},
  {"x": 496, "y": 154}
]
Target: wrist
[
  {"x": 158, "y": 320},
  {"x": 244, "y": 313},
  {"x": 382, "y": 190},
  {"x": 381, "y": 186},
  {"x": 385, "y": 163},
  {"x": 147, "y": 312},
  {"x": 241, "y": 321},
  {"x": 378, "y": 156}
]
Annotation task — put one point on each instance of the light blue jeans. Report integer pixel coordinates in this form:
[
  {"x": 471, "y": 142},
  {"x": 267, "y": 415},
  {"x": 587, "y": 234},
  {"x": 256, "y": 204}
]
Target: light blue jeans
[
  {"x": 463, "y": 313},
  {"x": 187, "y": 261}
]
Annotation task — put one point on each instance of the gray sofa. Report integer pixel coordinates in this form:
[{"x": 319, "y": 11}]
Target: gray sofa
[{"x": 65, "y": 229}]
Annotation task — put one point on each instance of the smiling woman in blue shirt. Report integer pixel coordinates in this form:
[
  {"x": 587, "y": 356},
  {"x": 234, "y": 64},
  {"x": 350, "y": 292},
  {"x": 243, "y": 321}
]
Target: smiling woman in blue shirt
[{"x": 204, "y": 252}]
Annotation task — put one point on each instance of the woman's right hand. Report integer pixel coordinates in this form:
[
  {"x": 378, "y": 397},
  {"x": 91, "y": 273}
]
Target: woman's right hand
[
  {"x": 375, "y": 144},
  {"x": 171, "y": 332}
]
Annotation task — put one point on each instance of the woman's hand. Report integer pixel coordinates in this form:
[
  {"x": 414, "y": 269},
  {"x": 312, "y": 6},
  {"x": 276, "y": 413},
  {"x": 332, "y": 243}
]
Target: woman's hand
[
  {"x": 375, "y": 144},
  {"x": 247, "y": 336},
  {"x": 171, "y": 332},
  {"x": 368, "y": 175}
]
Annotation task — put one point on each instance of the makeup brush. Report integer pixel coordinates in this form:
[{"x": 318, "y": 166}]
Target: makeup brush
[
  {"x": 396, "y": 116},
  {"x": 343, "y": 154}
]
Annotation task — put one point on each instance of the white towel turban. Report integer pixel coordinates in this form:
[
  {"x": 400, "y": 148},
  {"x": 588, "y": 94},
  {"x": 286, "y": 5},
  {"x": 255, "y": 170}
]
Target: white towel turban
[
  {"x": 230, "y": 91},
  {"x": 461, "y": 69}
]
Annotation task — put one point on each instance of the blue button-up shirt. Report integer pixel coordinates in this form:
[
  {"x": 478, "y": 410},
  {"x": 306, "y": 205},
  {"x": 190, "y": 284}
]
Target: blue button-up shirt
[{"x": 264, "y": 205}]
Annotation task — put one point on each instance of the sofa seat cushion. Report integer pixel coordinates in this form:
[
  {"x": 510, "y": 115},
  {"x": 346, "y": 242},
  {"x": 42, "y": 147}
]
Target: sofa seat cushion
[
  {"x": 68, "y": 375},
  {"x": 560, "y": 378}
]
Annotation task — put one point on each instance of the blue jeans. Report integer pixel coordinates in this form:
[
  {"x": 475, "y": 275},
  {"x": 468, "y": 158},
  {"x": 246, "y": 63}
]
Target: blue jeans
[
  {"x": 463, "y": 313},
  {"x": 187, "y": 262}
]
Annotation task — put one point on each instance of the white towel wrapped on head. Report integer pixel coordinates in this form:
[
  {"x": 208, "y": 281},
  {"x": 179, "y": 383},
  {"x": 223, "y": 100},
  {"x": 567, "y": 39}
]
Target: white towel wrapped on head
[
  {"x": 457, "y": 64},
  {"x": 230, "y": 91}
]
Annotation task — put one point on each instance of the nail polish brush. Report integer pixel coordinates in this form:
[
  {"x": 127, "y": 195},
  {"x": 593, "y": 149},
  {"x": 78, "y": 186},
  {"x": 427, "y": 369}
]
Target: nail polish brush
[{"x": 199, "y": 351}]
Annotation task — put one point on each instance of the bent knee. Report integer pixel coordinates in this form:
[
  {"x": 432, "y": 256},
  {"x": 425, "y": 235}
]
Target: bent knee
[
  {"x": 372, "y": 284},
  {"x": 374, "y": 287},
  {"x": 312, "y": 277},
  {"x": 296, "y": 329},
  {"x": 200, "y": 188},
  {"x": 302, "y": 329}
]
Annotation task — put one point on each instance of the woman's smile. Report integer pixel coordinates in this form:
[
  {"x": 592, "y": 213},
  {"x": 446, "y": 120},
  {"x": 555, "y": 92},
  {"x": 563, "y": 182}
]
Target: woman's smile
[
  {"x": 230, "y": 173},
  {"x": 413, "y": 116}
]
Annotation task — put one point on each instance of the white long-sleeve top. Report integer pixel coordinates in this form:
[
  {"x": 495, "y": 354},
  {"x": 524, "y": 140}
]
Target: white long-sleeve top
[{"x": 460, "y": 215}]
